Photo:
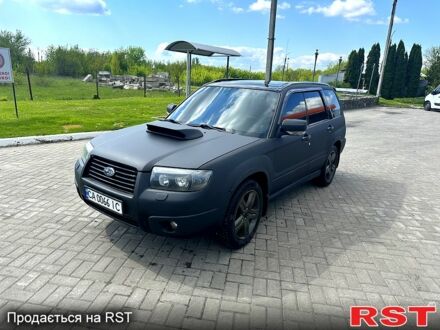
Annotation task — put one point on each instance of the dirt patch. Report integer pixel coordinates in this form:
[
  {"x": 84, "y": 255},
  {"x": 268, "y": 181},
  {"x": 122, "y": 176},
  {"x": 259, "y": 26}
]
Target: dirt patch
[{"x": 70, "y": 127}]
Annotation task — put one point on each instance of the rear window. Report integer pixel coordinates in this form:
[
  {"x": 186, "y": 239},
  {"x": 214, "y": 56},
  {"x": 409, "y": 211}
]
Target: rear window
[
  {"x": 315, "y": 107},
  {"x": 332, "y": 102}
]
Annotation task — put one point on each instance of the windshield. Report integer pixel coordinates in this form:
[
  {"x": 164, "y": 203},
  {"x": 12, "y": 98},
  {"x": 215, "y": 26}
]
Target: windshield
[{"x": 236, "y": 110}]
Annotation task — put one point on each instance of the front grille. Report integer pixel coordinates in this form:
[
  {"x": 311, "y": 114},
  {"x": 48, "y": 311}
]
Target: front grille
[{"x": 124, "y": 178}]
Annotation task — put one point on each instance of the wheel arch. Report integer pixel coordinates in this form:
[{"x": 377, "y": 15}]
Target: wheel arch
[{"x": 338, "y": 145}]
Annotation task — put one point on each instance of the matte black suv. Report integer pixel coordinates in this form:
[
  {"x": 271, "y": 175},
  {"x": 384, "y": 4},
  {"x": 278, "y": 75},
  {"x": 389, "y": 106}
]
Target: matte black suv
[{"x": 217, "y": 159}]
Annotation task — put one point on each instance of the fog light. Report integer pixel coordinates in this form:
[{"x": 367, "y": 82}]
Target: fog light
[{"x": 173, "y": 225}]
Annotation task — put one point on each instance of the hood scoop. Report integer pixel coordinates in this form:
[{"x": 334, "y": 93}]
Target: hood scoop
[{"x": 175, "y": 131}]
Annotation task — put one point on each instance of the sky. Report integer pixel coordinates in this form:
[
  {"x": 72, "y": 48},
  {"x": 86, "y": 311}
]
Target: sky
[{"x": 334, "y": 27}]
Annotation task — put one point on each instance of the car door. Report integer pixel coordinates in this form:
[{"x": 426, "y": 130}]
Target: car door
[
  {"x": 436, "y": 98},
  {"x": 336, "y": 127},
  {"x": 289, "y": 153},
  {"x": 319, "y": 129}
]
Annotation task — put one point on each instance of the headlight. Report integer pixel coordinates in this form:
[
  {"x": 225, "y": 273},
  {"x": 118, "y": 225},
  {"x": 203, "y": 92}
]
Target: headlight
[
  {"x": 86, "y": 152},
  {"x": 176, "y": 179}
]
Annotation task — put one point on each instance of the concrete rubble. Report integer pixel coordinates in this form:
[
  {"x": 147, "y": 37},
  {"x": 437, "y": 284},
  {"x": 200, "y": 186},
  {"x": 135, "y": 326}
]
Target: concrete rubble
[{"x": 157, "y": 81}]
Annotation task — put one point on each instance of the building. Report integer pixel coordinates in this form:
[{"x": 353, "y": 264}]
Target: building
[{"x": 327, "y": 78}]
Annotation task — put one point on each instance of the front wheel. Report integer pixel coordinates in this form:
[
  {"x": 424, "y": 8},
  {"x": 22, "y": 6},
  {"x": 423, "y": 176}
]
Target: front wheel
[
  {"x": 427, "y": 106},
  {"x": 329, "y": 169},
  {"x": 243, "y": 215}
]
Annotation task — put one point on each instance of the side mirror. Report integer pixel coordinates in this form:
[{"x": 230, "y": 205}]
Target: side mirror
[
  {"x": 171, "y": 107},
  {"x": 290, "y": 126}
]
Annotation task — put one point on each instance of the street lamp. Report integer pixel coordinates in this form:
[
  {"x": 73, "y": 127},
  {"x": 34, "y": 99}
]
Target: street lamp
[
  {"x": 285, "y": 65},
  {"x": 339, "y": 69},
  {"x": 314, "y": 68}
]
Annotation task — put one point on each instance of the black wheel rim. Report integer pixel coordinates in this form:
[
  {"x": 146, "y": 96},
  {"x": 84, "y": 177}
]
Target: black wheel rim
[
  {"x": 330, "y": 166},
  {"x": 246, "y": 214},
  {"x": 427, "y": 106}
]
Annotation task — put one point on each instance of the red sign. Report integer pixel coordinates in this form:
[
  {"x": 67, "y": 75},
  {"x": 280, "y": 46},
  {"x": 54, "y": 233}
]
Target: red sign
[{"x": 389, "y": 316}]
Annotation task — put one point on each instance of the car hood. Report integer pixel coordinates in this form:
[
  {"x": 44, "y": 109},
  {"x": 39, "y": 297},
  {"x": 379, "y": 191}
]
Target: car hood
[{"x": 141, "y": 149}]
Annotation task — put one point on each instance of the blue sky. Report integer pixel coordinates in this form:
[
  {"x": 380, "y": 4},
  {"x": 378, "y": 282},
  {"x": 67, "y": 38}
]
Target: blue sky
[{"x": 335, "y": 27}]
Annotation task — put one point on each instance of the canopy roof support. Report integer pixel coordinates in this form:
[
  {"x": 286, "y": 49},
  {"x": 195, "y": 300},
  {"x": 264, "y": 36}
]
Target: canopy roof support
[
  {"x": 188, "y": 73},
  {"x": 191, "y": 48}
]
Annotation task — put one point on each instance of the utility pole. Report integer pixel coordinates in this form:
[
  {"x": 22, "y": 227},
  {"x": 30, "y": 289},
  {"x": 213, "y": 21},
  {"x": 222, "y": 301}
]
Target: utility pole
[
  {"x": 371, "y": 77},
  {"x": 339, "y": 69},
  {"x": 284, "y": 66},
  {"x": 270, "y": 42},
  {"x": 314, "y": 67},
  {"x": 360, "y": 77},
  {"x": 387, "y": 47}
]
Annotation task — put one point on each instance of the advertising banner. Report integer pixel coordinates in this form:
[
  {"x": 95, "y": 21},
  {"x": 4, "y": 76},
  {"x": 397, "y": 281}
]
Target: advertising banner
[{"x": 5, "y": 66}]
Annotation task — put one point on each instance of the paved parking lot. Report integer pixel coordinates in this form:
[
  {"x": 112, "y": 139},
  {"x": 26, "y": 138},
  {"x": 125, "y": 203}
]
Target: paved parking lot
[{"x": 371, "y": 238}]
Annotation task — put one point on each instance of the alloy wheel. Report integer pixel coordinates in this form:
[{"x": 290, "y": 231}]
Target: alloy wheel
[
  {"x": 330, "y": 166},
  {"x": 246, "y": 214}
]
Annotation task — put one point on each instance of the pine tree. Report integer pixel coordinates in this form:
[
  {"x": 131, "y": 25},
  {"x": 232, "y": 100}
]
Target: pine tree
[
  {"x": 388, "y": 75},
  {"x": 400, "y": 66},
  {"x": 372, "y": 69},
  {"x": 359, "y": 67},
  {"x": 414, "y": 68},
  {"x": 351, "y": 69}
]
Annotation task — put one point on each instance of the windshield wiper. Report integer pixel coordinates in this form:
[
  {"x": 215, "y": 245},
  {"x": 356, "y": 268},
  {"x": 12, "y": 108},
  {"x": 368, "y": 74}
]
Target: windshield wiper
[
  {"x": 208, "y": 126},
  {"x": 171, "y": 120}
]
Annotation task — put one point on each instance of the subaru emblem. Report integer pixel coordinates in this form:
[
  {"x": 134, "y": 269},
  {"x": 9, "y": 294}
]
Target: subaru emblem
[{"x": 109, "y": 171}]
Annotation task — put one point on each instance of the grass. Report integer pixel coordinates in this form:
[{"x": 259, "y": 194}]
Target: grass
[
  {"x": 65, "y": 105},
  {"x": 60, "y": 88},
  {"x": 55, "y": 116},
  {"x": 412, "y": 102}
]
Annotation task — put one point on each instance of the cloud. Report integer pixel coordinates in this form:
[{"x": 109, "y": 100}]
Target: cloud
[
  {"x": 397, "y": 20},
  {"x": 264, "y": 5},
  {"x": 237, "y": 10},
  {"x": 220, "y": 4},
  {"x": 87, "y": 7},
  {"x": 348, "y": 9}
]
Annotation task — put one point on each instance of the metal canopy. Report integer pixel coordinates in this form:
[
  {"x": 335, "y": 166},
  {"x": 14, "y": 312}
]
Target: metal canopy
[
  {"x": 192, "y": 48},
  {"x": 199, "y": 49}
]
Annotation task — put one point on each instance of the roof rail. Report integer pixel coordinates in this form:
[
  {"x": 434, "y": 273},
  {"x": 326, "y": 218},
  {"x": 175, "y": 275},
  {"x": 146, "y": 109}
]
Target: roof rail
[{"x": 227, "y": 79}]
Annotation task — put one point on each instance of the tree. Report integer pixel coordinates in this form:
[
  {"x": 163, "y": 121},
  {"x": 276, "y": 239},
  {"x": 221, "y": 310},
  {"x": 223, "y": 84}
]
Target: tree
[
  {"x": 372, "y": 69},
  {"x": 18, "y": 44},
  {"x": 176, "y": 71},
  {"x": 433, "y": 66},
  {"x": 64, "y": 61},
  {"x": 361, "y": 59},
  {"x": 388, "y": 75},
  {"x": 352, "y": 71},
  {"x": 400, "y": 65},
  {"x": 414, "y": 68},
  {"x": 135, "y": 56}
]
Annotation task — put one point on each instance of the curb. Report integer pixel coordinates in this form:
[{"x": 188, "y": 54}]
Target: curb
[{"x": 28, "y": 140}]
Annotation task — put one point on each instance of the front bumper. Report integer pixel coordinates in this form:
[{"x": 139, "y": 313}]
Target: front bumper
[{"x": 154, "y": 210}]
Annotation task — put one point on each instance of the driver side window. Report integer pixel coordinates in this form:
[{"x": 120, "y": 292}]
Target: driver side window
[{"x": 295, "y": 107}]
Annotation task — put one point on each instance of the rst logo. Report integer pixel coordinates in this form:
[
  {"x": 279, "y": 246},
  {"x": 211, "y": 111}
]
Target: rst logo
[{"x": 390, "y": 316}]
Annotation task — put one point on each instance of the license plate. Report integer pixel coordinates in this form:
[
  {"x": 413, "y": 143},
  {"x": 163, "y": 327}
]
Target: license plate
[{"x": 103, "y": 200}]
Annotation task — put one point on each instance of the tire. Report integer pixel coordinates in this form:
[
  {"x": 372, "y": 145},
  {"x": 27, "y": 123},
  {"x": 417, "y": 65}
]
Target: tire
[
  {"x": 427, "y": 106},
  {"x": 328, "y": 170},
  {"x": 243, "y": 215}
]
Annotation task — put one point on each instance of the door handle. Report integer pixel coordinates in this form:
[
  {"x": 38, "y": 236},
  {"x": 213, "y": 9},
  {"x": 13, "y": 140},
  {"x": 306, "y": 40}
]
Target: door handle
[
  {"x": 306, "y": 137},
  {"x": 330, "y": 128}
]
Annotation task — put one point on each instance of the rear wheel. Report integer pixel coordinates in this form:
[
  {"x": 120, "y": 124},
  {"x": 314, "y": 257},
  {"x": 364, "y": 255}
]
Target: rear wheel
[
  {"x": 329, "y": 169},
  {"x": 243, "y": 215},
  {"x": 427, "y": 106}
]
